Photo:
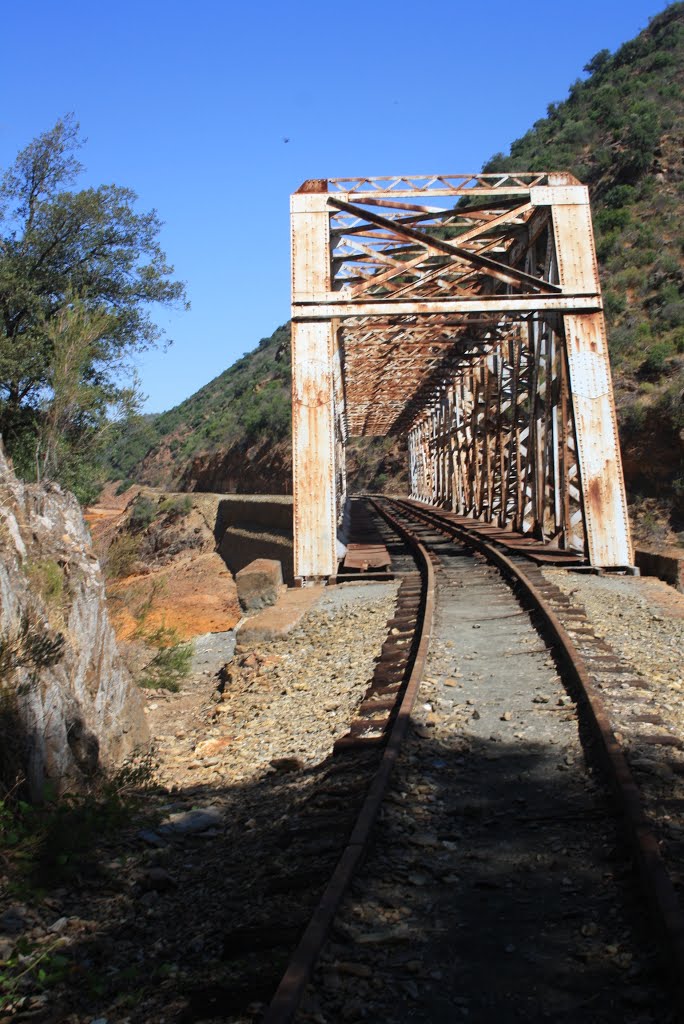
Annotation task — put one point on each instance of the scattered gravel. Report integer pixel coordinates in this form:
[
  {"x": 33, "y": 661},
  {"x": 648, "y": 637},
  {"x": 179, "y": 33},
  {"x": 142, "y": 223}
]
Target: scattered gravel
[
  {"x": 641, "y": 618},
  {"x": 212, "y": 651},
  {"x": 289, "y": 698},
  {"x": 497, "y": 887},
  {"x": 151, "y": 921},
  {"x": 642, "y": 621}
]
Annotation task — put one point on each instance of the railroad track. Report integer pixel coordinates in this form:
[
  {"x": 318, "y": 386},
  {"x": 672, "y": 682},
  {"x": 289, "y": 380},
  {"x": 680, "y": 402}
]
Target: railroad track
[{"x": 510, "y": 809}]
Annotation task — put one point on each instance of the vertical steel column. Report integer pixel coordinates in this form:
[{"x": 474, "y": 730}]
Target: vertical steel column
[
  {"x": 313, "y": 417},
  {"x": 413, "y": 473},
  {"x": 591, "y": 390},
  {"x": 340, "y": 427}
]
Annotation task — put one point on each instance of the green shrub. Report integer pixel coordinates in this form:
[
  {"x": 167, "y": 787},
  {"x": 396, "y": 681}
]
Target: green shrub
[
  {"x": 632, "y": 419},
  {"x": 629, "y": 278},
  {"x": 142, "y": 513},
  {"x": 612, "y": 219},
  {"x": 606, "y": 245},
  {"x": 122, "y": 553},
  {"x": 170, "y": 665},
  {"x": 177, "y": 506},
  {"x": 656, "y": 360},
  {"x": 618, "y": 196},
  {"x": 670, "y": 405},
  {"x": 672, "y": 313},
  {"x": 614, "y": 303},
  {"x": 47, "y": 578}
]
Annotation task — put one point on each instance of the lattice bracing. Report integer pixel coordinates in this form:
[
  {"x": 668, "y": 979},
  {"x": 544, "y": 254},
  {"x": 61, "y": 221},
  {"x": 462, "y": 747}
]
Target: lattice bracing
[
  {"x": 500, "y": 440},
  {"x": 442, "y": 184}
]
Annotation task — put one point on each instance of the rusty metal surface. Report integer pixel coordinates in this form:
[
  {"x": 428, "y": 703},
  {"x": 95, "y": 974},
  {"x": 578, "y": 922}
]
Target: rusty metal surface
[
  {"x": 466, "y": 313},
  {"x": 314, "y": 512},
  {"x": 366, "y": 556},
  {"x": 591, "y": 393},
  {"x": 313, "y": 401}
]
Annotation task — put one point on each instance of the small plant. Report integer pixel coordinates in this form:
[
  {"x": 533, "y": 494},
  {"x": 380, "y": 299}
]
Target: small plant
[
  {"x": 170, "y": 665},
  {"x": 652, "y": 526},
  {"x": 30, "y": 646},
  {"x": 15, "y": 819},
  {"x": 177, "y": 506},
  {"x": 47, "y": 578},
  {"x": 30, "y": 967},
  {"x": 54, "y": 840},
  {"x": 122, "y": 553},
  {"x": 157, "y": 588},
  {"x": 43, "y": 846},
  {"x": 143, "y": 512}
]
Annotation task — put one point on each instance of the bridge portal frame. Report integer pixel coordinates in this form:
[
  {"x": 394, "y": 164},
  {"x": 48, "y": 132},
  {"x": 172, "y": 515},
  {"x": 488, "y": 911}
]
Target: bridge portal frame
[{"x": 570, "y": 296}]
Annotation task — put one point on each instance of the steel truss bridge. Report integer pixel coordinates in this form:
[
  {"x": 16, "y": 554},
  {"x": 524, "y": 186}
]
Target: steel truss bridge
[{"x": 465, "y": 312}]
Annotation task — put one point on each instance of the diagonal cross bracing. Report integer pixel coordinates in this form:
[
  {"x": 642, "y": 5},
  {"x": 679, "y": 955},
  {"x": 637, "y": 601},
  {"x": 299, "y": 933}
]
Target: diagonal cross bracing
[{"x": 464, "y": 312}]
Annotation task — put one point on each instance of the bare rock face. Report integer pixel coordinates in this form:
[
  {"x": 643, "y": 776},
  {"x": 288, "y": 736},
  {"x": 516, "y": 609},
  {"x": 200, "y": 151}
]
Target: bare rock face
[{"x": 67, "y": 704}]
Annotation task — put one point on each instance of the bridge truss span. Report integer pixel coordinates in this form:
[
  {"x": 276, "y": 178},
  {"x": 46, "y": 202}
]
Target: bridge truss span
[{"x": 464, "y": 312}]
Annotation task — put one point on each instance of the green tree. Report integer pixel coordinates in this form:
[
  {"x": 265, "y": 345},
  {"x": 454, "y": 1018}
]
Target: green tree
[
  {"x": 80, "y": 271},
  {"x": 73, "y": 421}
]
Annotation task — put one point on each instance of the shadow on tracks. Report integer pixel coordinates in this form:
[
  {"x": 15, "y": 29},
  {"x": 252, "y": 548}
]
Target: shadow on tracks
[
  {"x": 496, "y": 868},
  {"x": 498, "y": 888}
]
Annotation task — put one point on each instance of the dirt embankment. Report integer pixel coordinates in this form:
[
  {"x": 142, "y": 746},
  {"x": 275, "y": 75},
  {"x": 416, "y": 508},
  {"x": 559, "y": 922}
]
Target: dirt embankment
[{"x": 163, "y": 572}]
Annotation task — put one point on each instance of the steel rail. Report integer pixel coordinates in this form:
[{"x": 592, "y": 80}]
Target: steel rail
[
  {"x": 659, "y": 890},
  {"x": 290, "y": 991}
]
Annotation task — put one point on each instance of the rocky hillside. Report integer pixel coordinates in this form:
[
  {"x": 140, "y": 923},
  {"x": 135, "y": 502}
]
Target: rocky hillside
[
  {"x": 231, "y": 419},
  {"x": 67, "y": 703},
  {"x": 620, "y": 130},
  {"x": 233, "y": 436}
]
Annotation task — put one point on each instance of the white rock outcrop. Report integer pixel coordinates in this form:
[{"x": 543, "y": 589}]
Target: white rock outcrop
[{"x": 68, "y": 705}]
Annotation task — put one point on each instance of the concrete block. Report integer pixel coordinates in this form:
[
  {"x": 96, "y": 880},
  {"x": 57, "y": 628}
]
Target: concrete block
[
  {"x": 240, "y": 547},
  {"x": 277, "y": 622},
  {"x": 667, "y": 564},
  {"x": 259, "y": 583}
]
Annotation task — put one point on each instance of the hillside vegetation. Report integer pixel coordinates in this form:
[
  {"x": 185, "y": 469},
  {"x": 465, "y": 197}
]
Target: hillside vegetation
[
  {"x": 234, "y": 435},
  {"x": 621, "y": 131},
  {"x": 248, "y": 402}
]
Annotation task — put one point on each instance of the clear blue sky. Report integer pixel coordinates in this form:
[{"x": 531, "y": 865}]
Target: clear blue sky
[{"x": 190, "y": 103}]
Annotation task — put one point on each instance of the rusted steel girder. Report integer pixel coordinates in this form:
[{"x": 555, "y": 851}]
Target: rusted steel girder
[{"x": 470, "y": 320}]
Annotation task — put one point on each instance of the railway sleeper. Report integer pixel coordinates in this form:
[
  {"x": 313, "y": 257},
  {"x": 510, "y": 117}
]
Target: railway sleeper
[{"x": 354, "y": 744}]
